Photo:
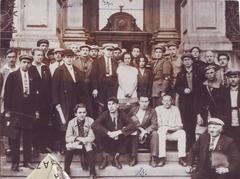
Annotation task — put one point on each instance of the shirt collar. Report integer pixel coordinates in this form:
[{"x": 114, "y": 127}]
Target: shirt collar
[{"x": 212, "y": 85}]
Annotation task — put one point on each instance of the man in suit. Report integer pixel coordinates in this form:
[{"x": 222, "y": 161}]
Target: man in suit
[
  {"x": 104, "y": 77},
  {"x": 232, "y": 122},
  {"x": 67, "y": 90},
  {"x": 112, "y": 128},
  {"x": 146, "y": 120},
  {"x": 208, "y": 144},
  {"x": 223, "y": 60},
  {"x": 58, "y": 55},
  {"x": 136, "y": 52},
  {"x": 43, "y": 77},
  {"x": 44, "y": 45},
  {"x": 93, "y": 53},
  {"x": 21, "y": 109},
  {"x": 186, "y": 85}
]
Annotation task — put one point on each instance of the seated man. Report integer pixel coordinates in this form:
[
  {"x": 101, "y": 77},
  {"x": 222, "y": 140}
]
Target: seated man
[
  {"x": 110, "y": 126},
  {"x": 170, "y": 128},
  {"x": 146, "y": 119},
  {"x": 79, "y": 138}
]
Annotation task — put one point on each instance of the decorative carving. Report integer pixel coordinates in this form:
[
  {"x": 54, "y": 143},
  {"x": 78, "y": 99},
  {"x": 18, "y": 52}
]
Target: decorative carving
[
  {"x": 7, "y": 13},
  {"x": 121, "y": 21}
]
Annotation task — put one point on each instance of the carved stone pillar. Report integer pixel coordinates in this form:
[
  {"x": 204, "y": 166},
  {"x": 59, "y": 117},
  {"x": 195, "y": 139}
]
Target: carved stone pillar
[
  {"x": 34, "y": 20},
  {"x": 203, "y": 24}
]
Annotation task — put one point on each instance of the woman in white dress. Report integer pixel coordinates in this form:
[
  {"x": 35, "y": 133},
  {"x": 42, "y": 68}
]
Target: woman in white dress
[{"x": 127, "y": 82}]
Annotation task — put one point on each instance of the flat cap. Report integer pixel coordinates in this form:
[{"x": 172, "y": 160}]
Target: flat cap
[
  {"x": 94, "y": 47},
  {"x": 233, "y": 73},
  {"x": 209, "y": 67},
  {"x": 158, "y": 46},
  {"x": 117, "y": 48},
  {"x": 215, "y": 121},
  {"x": 108, "y": 46},
  {"x": 58, "y": 50},
  {"x": 187, "y": 55},
  {"x": 68, "y": 52},
  {"x": 27, "y": 57},
  {"x": 85, "y": 46},
  {"x": 41, "y": 41},
  {"x": 172, "y": 43}
]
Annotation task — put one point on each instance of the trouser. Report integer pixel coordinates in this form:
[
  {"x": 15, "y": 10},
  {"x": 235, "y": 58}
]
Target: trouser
[
  {"x": 152, "y": 142},
  {"x": 179, "y": 136},
  {"x": 89, "y": 156},
  {"x": 27, "y": 144},
  {"x": 234, "y": 132}
]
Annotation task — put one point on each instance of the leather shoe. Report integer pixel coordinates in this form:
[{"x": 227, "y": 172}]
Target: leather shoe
[
  {"x": 133, "y": 161},
  {"x": 28, "y": 165},
  {"x": 153, "y": 162},
  {"x": 15, "y": 167},
  {"x": 116, "y": 162},
  {"x": 67, "y": 170},
  {"x": 162, "y": 162},
  {"x": 182, "y": 161},
  {"x": 104, "y": 163}
]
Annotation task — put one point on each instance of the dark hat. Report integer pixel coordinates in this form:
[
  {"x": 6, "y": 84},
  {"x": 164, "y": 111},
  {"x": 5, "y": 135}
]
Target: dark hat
[
  {"x": 94, "y": 47},
  {"x": 158, "y": 46},
  {"x": 171, "y": 43},
  {"x": 30, "y": 58},
  {"x": 85, "y": 46},
  {"x": 215, "y": 121},
  {"x": 117, "y": 48},
  {"x": 41, "y": 41},
  {"x": 233, "y": 73},
  {"x": 68, "y": 52},
  {"x": 10, "y": 51},
  {"x": 209, "y": 67},
  {"x": 58, "y": 50},
  {"x": 114, "y": 99},
  {"x": 188, "y": 55}
]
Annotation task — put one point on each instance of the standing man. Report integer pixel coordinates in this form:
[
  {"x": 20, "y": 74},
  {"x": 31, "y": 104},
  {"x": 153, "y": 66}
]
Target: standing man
[
  {"x": 205, "y": 147},
  {"x": 232, "y": 123},
  {"x": 146, "y": 120},
  {"x": 223, "y": 60},
  {"x": 136, "y": 52},
  {"x": 186, "y": 86},
  {"x": 58, "y": 55},
  {"x": 113, "y": 127},
  {"x": 104, "y": 81},
  {"x": 43, "y": 77},
  {"x": 117, "y": 54},
  {"x": 44, "y": 45},
  {"x": 21, "y": 109},
  {"x": 94, "y": 52}
]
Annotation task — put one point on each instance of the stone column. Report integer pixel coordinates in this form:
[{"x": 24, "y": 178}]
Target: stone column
[
  {"x": 34, "y": 20},
  {"x": 203, "y": 24},
  {"x": 73, "y": 31}
]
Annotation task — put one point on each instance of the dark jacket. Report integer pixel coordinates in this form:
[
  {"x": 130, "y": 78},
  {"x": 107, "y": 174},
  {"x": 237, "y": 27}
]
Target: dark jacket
[{"x": 144, "y": 85}]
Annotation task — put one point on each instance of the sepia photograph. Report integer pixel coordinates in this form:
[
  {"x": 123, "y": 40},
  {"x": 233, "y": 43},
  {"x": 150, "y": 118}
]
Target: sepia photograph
[{"x": 119, "y": 89}]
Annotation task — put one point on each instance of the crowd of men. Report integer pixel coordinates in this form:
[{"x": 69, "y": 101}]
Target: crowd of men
[{"x": 106, "y": 99}]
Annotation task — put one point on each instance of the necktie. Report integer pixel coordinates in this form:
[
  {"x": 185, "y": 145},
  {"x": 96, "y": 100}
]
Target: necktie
[
  {"x": 108, "y": 67},
  {"x": 25, "y": 83},
  {"x": 81, "y": 128},
  {"x": 115, "y": 122},
  {"x": 211, "y": 146},
  {"x": 189, "y": 80},
  {"x": 59, "y": 63}
]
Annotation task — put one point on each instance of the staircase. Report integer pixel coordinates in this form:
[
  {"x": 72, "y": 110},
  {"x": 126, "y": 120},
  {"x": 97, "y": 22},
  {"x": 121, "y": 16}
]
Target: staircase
[{"x": 172, "y": 170}]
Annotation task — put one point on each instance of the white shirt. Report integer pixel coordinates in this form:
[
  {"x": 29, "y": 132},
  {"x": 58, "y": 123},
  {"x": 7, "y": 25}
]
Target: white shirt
[
  {"x": 108, "y": 61},
  {"x": 23, "y": 76},
  {"x": 234, "y": 99},
  {"x": 140, "y": 115},
  {"x": 39, "y": 68},
  {"x": 215, "y": 142},
  {"x": 71, "y": 71}
]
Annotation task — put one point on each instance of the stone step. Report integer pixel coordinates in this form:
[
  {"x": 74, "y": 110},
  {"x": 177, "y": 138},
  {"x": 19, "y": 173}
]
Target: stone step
[
  {"x": 142, "y": 157},
  {"x": 171, "y": 170}
]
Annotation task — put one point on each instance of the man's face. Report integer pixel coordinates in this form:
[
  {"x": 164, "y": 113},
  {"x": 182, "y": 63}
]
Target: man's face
[
  {"x": 142, "y": 63},
  {"x": 58, "y": 56},
  {"x": 108, "y": 52},
  {"x": 11, "y": 59},
  {"x": 172, "y": 50},
  {"x": 223, "y": 61},
  {"x": 234, "y": 80},
  {"x": 117, "y": 54},
  {"x": 135, "y": 52},
  {"x": 143, "y": 103},
  {"x": 167, "y": 101},
  {"x": 195, "y": 52},
  {"x": 81, "y": 113},
  {"x": 210, "y": 74},
  {"x": 93, "y": 53},
  {"x": 214, "y": 130},
  {"x": 25, "y": 64},
  {"x": 74, "y": 48},
  {"x": 112, "y": 106},
  {"x": 44, "y": 46},
  {"x": 158, "y": 53},
  {"x": 68, "y": 60},
  {"x": 187, "y": 62},
  {"x": 209, "y": 57},
  {"x": 38, "y": 56},
  {"x": 127, "y": 59},
  {"x": 84, "y": 51}
]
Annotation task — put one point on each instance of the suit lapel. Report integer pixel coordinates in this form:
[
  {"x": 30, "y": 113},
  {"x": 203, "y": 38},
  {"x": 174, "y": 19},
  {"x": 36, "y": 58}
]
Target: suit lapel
[
  {"x": 145, "y": 118},
  {"x": 206, "y": 147},
  {"x": 67, "y": 73},
  {"x": 19, "y": 80},
  {"x": 220, "y": 143}
]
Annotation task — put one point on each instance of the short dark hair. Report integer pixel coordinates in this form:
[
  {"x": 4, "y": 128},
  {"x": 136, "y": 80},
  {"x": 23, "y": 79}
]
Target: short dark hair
[
  {"x": 144, "y": 96},
  {"x": 80, "y": 105},
  {"x": 36, "y": 49},
  {"x": 125, "y": 54},
  {"x": 113, "y": 99},
  {"x": 144, "y": 57},
  {"x": 223, "y": 54},
  {"x": 196, "y": 48},
  {"x": 167, "y": 94},
  {"x": 136, "y": 46}
]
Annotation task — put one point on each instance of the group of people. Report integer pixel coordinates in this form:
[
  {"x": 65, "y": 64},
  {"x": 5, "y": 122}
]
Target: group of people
[{"x": 106, "y": 99}]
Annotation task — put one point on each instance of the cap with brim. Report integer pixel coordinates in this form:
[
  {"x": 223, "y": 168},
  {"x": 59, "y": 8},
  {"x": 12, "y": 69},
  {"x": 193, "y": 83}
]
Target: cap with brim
[
  {"x": 58, "y": 50},
  {"x": 117, "y": 48},
  {"x": 233, "y": 73},
  {"x": 26, "y": 57},
  {"x": 187, "y": 55},
  {"x": 41, "y": 41},
  {"x": 94, "y": 47},
  {"x": 108, "y": 46},
  {"x": 10, "y": 51},
  {"x": 160, "y": 47},
  {"x": 169, "y": 44},
  {"x": 68, "y": 52},
  {"x": 85, "y": 46},
  {"x": 209, "y": 67},
  {"x": 215, "y": 121}
]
